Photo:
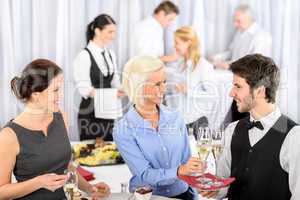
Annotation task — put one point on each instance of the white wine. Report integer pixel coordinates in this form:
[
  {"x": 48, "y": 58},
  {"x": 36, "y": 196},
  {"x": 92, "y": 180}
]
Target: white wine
[
  {"x": 70, "y": 189},
  {"x": 203, "y": 151},
  {"x": 217, "y": 150}
]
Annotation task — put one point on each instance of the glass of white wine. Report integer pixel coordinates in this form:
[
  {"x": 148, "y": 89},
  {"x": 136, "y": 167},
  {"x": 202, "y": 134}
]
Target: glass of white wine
[
  {"x": 218, "y": 143},
  {"x": 204, "y": 143},
  {"x": 71, "y": 185}
]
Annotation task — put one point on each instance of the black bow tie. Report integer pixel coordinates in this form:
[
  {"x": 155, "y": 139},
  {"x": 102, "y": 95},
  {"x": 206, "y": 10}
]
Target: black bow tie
[{"x": 256, "y": 124}]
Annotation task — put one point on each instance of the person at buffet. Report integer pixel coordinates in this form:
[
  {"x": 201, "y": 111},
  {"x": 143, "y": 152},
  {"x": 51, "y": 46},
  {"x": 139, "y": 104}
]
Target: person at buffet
[
  {"x": 261, "y": 151},
  {"x": 250, "y": 38},
  {"x": 34, "y": 146},
  {"x": 95, "y": 68},
  {"x": 194, "y": 77},
  {"x": 148, "y": 34},
  {"x": 152, "y": 138}
]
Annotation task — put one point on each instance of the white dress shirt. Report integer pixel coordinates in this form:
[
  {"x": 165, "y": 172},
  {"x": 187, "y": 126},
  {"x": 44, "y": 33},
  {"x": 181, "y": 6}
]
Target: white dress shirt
[
  {"x": 82, "y": 66},
  {"x": 289, "y": 152},
  {"x": 252, "y": 40},
  {"x": 147, "y": 38},
  {"x": 200, "y": 82}
]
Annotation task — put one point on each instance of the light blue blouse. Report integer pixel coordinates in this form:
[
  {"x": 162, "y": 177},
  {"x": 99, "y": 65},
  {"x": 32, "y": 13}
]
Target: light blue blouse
[{"x": 153, "y": 156}]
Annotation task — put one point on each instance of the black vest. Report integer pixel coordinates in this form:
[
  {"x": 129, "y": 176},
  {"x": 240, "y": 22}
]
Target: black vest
[
  {"x": 257, "y": 169},
  {"x": 98, "y": 79}
]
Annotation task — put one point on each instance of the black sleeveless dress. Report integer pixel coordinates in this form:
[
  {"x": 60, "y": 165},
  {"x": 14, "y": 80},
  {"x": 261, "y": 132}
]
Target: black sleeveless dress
[
  {"x": 89, "y": 126},
  {"x": 40, "y": 154}
]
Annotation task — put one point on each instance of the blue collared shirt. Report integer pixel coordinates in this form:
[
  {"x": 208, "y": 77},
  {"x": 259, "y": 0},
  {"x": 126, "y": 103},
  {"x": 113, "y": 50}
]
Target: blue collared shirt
[{"x": 153, "y": 156}]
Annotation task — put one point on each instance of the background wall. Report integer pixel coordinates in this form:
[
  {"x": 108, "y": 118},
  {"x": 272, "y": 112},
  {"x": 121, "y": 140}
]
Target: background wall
[{"x": 54, "y": 29}]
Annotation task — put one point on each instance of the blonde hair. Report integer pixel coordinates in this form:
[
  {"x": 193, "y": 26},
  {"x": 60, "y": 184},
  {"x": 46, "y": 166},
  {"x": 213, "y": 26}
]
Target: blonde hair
[
  {"x": 136, "y": 72},
  {"x": 187, "y": 33}
]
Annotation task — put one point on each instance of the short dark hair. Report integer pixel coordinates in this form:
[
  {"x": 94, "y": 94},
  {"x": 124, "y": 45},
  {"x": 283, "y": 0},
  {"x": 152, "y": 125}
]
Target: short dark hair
[
  {"x": 258, "y": 70},
  {"x": 36, "y": 77},
  {"x": 99, "y": 22},
  {"x": 168, "y": 7}
]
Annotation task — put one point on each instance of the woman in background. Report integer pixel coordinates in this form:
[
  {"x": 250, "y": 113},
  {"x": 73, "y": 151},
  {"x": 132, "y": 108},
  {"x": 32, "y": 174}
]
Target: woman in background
[
  {"x": 95, "y": 67},
  {"x": 194, "y": 79},
  {"x": 153, "y": 139},
  {"x": 34, "y": 146}
]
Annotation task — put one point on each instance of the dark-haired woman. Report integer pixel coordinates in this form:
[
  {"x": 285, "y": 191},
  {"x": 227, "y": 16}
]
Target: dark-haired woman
[
  {"x": 95, "y": 68},
  {"x": 34, "y": 146}
]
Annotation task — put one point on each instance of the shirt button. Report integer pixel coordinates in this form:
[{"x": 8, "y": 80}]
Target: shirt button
[
  {"x": 167, "y": 163},
  {"x": 250, "y": 151},
  {"x": 165, "y": 149},
  {"x": 247, "y": 169},
  {"x": 168, "y": 190}
]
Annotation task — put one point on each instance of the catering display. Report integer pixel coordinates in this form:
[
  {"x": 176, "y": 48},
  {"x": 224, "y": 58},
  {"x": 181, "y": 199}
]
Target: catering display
[{"x": 97, "y": 153}]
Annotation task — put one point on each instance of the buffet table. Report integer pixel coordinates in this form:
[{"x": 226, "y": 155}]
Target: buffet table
[
  {"x": 113, "y": 175},
  {"x": 124, "y": 196}
]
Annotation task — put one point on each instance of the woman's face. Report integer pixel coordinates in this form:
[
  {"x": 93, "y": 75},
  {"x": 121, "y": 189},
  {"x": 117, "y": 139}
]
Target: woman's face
[
  {"x": 181, "y": 46},
  {"x": 107, "y": 34},
  {"x": 49, "y": 98},
  {"x": 155, "y": 87}
]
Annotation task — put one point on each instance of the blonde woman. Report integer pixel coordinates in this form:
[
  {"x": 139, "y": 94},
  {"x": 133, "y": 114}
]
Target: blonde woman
[
  {"x": 194, "y": 80},
  {"x": 151, "y": 138}
]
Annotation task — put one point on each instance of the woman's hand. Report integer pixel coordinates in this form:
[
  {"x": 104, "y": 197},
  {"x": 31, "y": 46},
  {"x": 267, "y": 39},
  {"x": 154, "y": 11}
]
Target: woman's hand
[
  {"x": 100, "y": 190},
  {"x": 194, "y": 165},
  {"x": 120, "y": 93},
  {"x": 51, "y": 181},
  {"x": 181, "y": 87},
  {"x": 222, "y": 65}
]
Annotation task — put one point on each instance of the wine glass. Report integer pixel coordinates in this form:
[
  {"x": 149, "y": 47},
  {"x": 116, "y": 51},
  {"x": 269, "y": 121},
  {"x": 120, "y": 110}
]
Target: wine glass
[
  {"x": 71, "y": 185},
  {"x": 217, "y": 143},
  {"x": 204, "y": 143}
]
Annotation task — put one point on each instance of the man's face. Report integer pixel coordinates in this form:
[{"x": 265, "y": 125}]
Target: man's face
[
  {"x": 166, "y": 19},
  {"x": 241, "y": 93},
  {"x": 241, "y": 21}
]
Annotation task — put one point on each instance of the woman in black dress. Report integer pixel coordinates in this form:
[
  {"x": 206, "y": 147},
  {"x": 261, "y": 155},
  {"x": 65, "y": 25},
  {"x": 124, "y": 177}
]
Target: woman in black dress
[
  {"x": 95, "y": 68},
  {"x": 35, "y": 146}
]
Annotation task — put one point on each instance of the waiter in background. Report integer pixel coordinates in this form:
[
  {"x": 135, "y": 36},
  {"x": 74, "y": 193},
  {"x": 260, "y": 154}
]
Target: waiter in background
[
  {"x": 95, "y": 68},
  {"x": 148, "y": 35}
]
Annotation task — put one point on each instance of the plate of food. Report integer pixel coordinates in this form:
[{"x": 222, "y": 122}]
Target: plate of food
[
  {"x": 207, "y": 181},
  {"x": 97, "y": 153}
]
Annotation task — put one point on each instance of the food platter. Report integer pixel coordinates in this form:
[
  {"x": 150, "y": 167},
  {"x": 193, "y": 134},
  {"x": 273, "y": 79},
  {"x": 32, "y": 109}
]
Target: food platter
[{"x": 96, "y": 154}]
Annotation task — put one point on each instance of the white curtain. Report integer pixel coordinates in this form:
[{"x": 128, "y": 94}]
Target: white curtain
[{"x": 55, "y": 29}]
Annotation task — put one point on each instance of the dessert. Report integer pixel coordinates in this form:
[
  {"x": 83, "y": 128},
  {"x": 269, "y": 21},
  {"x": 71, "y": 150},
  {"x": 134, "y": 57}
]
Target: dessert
[{"x": 143, "y": 193}]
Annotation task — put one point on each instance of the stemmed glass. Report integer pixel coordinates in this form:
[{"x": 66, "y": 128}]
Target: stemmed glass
[
  {"x": 71, "y": 185},
  {"x": 218, "y": 143},
  {"x": 204, "y": 140}
]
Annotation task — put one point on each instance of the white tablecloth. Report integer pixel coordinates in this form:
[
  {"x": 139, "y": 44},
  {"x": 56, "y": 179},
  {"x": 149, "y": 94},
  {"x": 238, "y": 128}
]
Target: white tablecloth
[
  {"x": 113, "y": 175},
  {"x": 125, "y": 196}
]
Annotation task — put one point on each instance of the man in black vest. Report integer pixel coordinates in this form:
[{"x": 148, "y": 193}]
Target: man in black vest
[{"x": 261, "y": 151}]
